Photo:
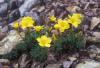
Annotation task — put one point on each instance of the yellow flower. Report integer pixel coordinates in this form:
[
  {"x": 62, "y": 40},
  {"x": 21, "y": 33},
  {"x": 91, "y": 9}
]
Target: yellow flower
[
  {"x": 75, "y": 19},
  {"x": 44, "y": 41},
  {"x": 50, "y": 28},
  {"x": 54, "y": 37},
  {"x": 52, "y": 18},
  {"x": 15, "y": 25},
  {"x": 38, "y": 28},
  {"x": 62, "y": 25},
  {"x": 56, "y": 26},
  {"x": 78, "y": 15},
  {"x": 26, "y": 22}
]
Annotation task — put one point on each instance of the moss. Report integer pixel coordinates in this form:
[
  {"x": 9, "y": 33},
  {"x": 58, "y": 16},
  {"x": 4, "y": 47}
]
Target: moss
[
  {"x": 39, "y": 53},
  {"x": 69, "y": 42}
]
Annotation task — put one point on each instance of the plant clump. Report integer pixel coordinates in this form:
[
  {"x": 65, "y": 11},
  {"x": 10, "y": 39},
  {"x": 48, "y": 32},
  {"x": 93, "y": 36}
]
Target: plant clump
[
  {"x": 69, "y": 42},
  {"x": 39, "y": 38}
]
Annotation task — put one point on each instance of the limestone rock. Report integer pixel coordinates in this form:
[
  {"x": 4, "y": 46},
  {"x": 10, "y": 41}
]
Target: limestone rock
[
  {"x": 4, "y": 61},
  {"x": 96, "y": 34},
  {"x": 72, "y": 58},
  {"x": 54, "y": 66},
  {"x": 93, "y": 39},
  {"x": 94, "y": 22},
  {"x": 9, "y": 42},
  {"x": 89, "y": 64},
  {"x": 2, "y": 35}
]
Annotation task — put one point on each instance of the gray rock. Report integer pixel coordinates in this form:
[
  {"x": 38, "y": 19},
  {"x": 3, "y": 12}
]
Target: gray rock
[
  {"x": 1, "y": 66},
  {"x": 42, "y": 8},
  {"x": 51, "y": 57},
  {"x": 94, "y": 49},
  {"x": 13, "y": 4},
  {"x": 14, "y": 15},
  {"x": 92, "y": 55},
  {"x": 3, "y": 9},
  {"x": 28, "y": 4},
  {"x": 4, "y": 29},
  {"x": 34, "y": 65},
  {"x": 94, "y": 52},
  {"x": 67, "y": 64},
  {"x": 20, "y": 2},
  {"x": 2, "y": 1},
  {"x": 16, "y": 65}
]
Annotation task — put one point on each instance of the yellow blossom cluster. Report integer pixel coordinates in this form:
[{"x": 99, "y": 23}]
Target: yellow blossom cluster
[
  {"x": 75, "y": 19},
  {"x": 38, "y": 28},
  {"x": 27, "y": 22},
  {"x": 15, "y": 24},
  {"x": 24, "y": 23},
  {"x": 52, "y": 18},
  {"x": 63, "y": 24},
  {"x": 44, "y": 41},
  {"x": 60, "y": 24}
]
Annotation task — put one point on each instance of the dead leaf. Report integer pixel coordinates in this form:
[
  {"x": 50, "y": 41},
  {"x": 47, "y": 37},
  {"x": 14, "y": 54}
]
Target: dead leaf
[
  {"x": 72, "y": 8},
  {"x": 23, "y": 62}
]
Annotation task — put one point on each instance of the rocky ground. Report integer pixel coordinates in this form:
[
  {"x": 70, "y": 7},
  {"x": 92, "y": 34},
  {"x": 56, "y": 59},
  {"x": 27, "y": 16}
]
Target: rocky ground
[{"x": 12, "y": 10}]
